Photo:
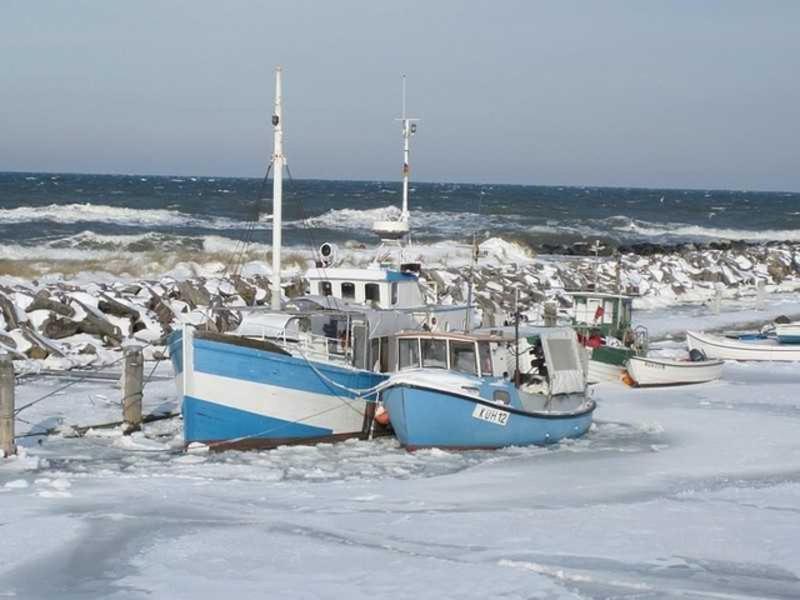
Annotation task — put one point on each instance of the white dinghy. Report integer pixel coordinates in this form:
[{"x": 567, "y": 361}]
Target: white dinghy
[
  {"x": 647, "y": 371},
  {"x": 714, "y": 346}
]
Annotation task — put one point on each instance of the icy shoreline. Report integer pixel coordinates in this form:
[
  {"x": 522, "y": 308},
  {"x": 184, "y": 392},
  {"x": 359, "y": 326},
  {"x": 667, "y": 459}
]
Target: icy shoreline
[
  {"x": 54, "y": 322},
  {"x": 674, "y": 493}
]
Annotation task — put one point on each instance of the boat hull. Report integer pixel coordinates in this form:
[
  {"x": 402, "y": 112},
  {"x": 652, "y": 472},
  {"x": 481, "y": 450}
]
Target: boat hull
[
  {"x": 599, "y": 372},
  {"x": 788, "y": 334},
  {"x": 242, "y": 397},
  {"x": 658, "y": 372},
  {"x": 428, "y": 418},
  {"x": 607, "y": 363},
  {"x": 727, "y": 349}
]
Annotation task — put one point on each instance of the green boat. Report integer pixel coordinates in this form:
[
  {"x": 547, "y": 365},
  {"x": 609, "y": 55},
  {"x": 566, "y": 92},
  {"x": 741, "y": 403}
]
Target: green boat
[{"x": 600, "y": 315}]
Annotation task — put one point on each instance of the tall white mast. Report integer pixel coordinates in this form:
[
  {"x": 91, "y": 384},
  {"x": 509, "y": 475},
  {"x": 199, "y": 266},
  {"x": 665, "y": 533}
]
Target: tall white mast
[
  {"x": 406, "y": 166},
  {"x": 396, "y": 230},
  {"x": 278, "y": 161}
]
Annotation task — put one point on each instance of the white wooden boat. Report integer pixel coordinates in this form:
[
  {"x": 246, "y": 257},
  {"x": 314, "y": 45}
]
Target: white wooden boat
[
  {"x": 646, "y": 371},
  {"x": 714, "y": 346}
]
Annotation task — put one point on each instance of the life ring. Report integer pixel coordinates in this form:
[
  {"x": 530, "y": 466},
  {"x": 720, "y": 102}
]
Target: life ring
[{"x": 381, "y": 416}]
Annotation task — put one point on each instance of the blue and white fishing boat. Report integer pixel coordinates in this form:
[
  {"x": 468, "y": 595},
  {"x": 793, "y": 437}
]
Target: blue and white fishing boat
[
  {"x": 453, "y": 391},
  {"x": 308, "y": 369}
]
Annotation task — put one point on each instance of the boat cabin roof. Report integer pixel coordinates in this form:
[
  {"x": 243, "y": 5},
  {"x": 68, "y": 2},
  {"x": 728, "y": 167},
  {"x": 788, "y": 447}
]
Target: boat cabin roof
[
  {"x": 451, "y": 335},
  {"x": 605, "y": 295},
  {"x": 370, "y": 274}
]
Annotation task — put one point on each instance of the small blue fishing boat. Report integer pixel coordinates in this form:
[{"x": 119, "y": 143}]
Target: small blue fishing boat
[{"x": 448, "y": 392}]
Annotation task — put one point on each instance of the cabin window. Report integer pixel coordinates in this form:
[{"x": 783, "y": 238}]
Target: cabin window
[
  {"x": 325, "y": 288},
  {"x": 485, "y": 354},
  {"x": 359, "y": 342},
  {"x": 394, "y": 293},
  {"x": 609, "y": 312},
  {"x": 434, "y": 353},
  {"x": 374, "y": 353},
  {"x": 384, "y": 355},
  {"x": 348, "y": 290},
  {"x": 372, "y": 293},
  {"x": 462, "y": 357},
  {"x": 501, "y": 396},
  {"x": 409, "y": 353}
]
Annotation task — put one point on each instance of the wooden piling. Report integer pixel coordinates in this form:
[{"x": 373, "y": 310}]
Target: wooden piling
[
  {"x": 7, "y": 445},
  {"x": 550, "y": 314},
  {"x": 132, "y": 385}
]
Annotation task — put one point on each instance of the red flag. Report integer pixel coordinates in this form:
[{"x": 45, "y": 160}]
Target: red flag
[{"x": 598, "y": 314}]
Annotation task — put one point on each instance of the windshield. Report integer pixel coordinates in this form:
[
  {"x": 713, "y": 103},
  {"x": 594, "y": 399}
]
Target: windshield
[
  {"x": 462, "y": 357},
  {"x": 434, "y": 353},
  {"x": 409, "y": 353},
  {"x": 485, "y": 353}
]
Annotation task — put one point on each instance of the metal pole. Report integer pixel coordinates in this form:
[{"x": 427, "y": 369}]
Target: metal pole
[
  {"x": 7, "y": 445},
  {"x": 278, "y": 161},
  {"x": 132, "y": 385},
  {"x": 761, "y": 292},
  {"x": 517, "y": 374},
  {"x": 717, "y": 304}
]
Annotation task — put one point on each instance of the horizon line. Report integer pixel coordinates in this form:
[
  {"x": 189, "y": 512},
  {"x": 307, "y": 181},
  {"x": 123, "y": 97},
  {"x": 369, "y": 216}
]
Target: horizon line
[{"x": 412, "y": 182}]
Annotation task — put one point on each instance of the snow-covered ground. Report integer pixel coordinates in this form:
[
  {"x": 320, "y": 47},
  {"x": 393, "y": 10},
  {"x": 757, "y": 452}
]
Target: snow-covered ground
[
  {"x": 689, "y": 492},
  {"x": 740, "y": 313}
]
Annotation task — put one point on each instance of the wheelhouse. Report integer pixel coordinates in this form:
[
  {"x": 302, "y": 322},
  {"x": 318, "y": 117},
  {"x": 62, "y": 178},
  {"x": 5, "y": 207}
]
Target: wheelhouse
[
  {"x": 378, "y": 288},
  {"x": 471, "y": 354},
  {"x": 610, "y": 313}
]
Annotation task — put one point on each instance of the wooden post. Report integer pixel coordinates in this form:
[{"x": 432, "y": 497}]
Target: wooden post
[
  {"x": 132, "y": 384},
  {"x": 550, "y": 314},
  {"x": 7, "y": 445}
]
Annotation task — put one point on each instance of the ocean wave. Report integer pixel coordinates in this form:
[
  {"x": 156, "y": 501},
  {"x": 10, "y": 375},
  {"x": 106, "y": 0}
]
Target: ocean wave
[
  {"x": 685, "y": 231},
  {"x": 439, "y": 223},
  {"x": 116, "y": 215},
  {"x": 155, "y": 254}
]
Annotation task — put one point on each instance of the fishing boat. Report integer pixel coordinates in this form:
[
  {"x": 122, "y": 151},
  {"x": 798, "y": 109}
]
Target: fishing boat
[
  {"x": 603, "y": 323},
  {"x": 449, "y": 391},
  {"x": 788, "y": 333},
  {"x": 303, "y": 370},
  {"x": 727, "y": 349},
  {"x": 653, "y": 371}
]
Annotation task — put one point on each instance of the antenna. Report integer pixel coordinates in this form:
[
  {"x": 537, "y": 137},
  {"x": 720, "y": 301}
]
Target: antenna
[{"x": 409, "y": 129}]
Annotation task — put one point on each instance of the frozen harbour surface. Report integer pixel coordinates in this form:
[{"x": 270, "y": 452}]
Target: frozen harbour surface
[{"x": 689, "y": 492}]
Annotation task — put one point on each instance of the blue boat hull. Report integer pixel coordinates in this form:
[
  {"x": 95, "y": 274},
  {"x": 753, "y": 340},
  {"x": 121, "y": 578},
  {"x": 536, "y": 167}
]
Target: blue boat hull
[
  {"x": 423, "y": 418},
  {"x": 244, "y": 397}
]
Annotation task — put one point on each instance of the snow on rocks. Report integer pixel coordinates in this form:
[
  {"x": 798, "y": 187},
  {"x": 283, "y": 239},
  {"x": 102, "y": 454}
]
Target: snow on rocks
[{"x": 86, "y": 323}]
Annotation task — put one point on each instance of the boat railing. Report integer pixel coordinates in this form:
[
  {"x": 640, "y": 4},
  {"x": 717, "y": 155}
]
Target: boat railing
[{"x": 310, "y": 345}]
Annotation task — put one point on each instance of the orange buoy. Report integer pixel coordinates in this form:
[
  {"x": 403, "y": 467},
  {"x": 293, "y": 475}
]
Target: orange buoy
[
  {"x": 627, "y": 379},
  {"x": 382, "y": 416}
]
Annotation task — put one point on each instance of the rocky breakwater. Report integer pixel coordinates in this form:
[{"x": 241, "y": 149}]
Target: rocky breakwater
[
  {"x": 60, "y": 324},
  {"x": 63, "y": 325},
  {"x": 677, "y": 274}
]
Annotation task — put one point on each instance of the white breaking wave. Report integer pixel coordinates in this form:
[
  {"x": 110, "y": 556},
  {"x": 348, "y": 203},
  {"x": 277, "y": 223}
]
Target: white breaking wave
[
  {"x": 443, "y": 223},
  {"x": 116, "y": 215},
  {"x": 684, "y": 230},
  {"x": 153, "y": 254}
]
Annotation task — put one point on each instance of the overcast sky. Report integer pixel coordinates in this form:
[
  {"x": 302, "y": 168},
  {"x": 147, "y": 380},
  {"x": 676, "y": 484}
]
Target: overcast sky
[{"x": 631, "y": 93}]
